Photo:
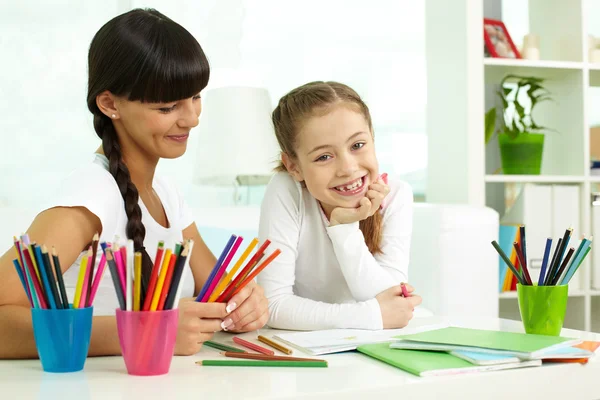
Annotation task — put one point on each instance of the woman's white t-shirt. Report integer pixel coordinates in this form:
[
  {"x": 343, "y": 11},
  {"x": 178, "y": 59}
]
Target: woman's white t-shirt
[
  {"x": 93, "y": 187},
  {"x": 325, "y": 276}
]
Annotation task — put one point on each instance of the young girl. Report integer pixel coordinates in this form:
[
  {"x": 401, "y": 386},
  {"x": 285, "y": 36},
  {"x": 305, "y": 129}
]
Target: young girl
[
  {"x": 145, "y": 77},
  {"x": 344, "y": 233}
]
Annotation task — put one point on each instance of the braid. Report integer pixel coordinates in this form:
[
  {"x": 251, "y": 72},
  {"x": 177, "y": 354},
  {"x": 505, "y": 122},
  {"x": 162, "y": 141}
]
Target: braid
[{"x": 135, "y": 229}]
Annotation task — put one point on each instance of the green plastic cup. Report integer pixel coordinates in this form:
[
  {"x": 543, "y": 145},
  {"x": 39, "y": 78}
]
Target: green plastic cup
[{"x": 543, "y": 308}]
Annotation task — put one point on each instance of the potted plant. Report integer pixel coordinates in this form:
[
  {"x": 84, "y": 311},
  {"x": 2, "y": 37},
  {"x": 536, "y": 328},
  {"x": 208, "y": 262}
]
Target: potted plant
[{"x": 520, "y": 138}]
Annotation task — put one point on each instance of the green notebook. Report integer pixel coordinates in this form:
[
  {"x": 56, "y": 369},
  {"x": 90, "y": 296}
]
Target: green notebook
[
  {"x": 523, "y": 345},
  {"x": 432, "y": 363}
]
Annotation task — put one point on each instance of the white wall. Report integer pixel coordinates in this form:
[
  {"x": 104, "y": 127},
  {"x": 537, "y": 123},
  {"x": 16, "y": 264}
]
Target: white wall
[{"x": 377, "y": 48}]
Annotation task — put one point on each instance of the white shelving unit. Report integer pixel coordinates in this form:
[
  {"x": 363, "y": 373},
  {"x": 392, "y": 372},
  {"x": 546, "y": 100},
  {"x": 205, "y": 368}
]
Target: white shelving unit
[{"x": 455, "y": 123}]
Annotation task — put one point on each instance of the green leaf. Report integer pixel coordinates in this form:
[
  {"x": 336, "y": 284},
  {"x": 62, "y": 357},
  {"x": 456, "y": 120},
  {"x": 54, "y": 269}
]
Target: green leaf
[{"x": 490, "y": 124}]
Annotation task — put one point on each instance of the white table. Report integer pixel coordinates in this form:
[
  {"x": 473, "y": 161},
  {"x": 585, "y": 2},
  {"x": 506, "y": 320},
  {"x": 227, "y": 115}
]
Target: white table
[{"x": 349, "y": 376}]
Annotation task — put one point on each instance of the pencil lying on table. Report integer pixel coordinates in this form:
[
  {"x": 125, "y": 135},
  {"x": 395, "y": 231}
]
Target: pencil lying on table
[
  {"x": 253, "y": 363},
  {"x": 274, "y": 345},
  {"x": 264, "y": 357}
]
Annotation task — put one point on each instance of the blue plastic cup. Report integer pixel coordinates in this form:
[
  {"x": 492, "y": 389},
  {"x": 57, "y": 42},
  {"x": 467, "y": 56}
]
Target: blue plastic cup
[{"x": 62, "y": 337}]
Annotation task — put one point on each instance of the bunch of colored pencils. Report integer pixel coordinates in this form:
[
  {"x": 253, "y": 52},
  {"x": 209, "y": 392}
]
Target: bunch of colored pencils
[
  {"x": 557, "y": 270},
  {"x": 266, "y": 358},
  {"x": 221, "y": 287},
  {"x": 164, "y": 286},
  {"x": 42, "y": 278}
]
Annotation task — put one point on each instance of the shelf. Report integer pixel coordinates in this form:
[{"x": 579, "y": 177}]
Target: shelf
[
  {"x": 508, "y": 62},
  {"x": 536, "y": 178},
  {"x": 575, "y": 293}
]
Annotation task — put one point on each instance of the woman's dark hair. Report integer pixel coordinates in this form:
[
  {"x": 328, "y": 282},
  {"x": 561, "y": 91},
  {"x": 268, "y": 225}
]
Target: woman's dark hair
[{"x": 144, "y": 56}]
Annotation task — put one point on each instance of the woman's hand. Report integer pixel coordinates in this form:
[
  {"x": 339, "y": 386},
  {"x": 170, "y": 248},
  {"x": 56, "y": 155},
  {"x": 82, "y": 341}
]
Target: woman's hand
[
  {"x": 397, "y": 311},
  {"x": 368, "y": 205},
  {"x": 197, "y": 323},
  {"x": 248, "y": 310}
]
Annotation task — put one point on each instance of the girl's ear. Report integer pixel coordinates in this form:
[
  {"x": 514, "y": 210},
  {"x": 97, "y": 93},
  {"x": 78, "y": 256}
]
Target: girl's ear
[{"x": 292, "y": 167}]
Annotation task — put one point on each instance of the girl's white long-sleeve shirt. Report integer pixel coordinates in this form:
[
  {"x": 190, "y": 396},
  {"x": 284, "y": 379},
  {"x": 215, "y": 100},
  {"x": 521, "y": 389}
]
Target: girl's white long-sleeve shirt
[{"x": 325, "y": 276}]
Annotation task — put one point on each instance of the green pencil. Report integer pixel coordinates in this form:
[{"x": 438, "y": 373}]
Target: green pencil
[
  {"x": 224, "y": 347},
  {"x": 251, "y": 363}
]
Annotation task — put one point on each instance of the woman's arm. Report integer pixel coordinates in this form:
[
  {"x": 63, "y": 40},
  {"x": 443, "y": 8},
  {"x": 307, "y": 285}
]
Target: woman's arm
[{"x": 69, "y": 230}]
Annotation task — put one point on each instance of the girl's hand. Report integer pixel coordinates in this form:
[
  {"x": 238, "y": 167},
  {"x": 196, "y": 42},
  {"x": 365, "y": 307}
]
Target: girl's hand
[
  {"x": 369, "y": 205},
  {"x": 248, "y": 310},
  {"x": 197, "y": 323},
  {"x": 397, "y": 311}
]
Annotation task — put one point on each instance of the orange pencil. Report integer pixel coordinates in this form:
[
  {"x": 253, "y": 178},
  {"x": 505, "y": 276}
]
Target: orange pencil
[{"x": 167, "y": 284}]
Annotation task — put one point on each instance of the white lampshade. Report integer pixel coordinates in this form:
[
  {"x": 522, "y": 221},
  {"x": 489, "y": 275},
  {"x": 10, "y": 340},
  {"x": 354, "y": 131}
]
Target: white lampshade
[{"x": 237, "y": 141}]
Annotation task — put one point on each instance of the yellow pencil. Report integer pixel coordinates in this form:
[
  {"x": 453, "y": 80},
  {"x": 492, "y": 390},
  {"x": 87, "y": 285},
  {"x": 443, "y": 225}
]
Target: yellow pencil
[
  {"x": 137, "y": 276},
  {"x": 161, "y": 280},
  {"x": 225, "y": 281},
  {"x": 274, "y": 345},
  {"x": 37, "y": 271},
  {"x": 80, "y": 279}
]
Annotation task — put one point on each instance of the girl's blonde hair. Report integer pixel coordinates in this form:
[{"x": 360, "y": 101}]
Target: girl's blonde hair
[{"x": 317, "y": 99}]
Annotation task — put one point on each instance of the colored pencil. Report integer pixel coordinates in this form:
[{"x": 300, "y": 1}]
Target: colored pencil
[
  {"x": 51, "y": 279},
  {"x": 274, "y": 345},
  {"x": 523, "y": 245},
  {"x": 48, "y": 279},
  {"x": 21, "y": 278},
  {"x": 562, "y": 267},
  {"x": 545, "y": 262},
  {"x": 34, "y": 263},
  {"x": 17, "y": 246},
  {"x": 244, "y": 274},
  {"x": 565, "y": 244},
  {"x": 137, "y": 276},
  {"x": 238, "y": 279},
  {"x": 253, "y": 363},
  {"x": 224, "y": 347},
  {"x": 251, "y": 356},
  {"x": 161, "y": 281},
  {"x": 90, "y": 279},
  {"x": 404, "y": 290},
  {"x": 36, "y": 283},
  {"x": 566, "y": 279},
  {"x": 154, "y": 275},
  {"x": 83, "y": 299},
  {"x": 176, "y": 277},
  {"x": 179, "y": 280},
  {"x": 216, "y": 268},
  {"x": 551, "y": 267},
  {"x": 59, "y": 278},
  {"x": 78, "y": 288},
  {"x": 114, "y": 273},
  {"x": 222, "y": 268},
  {"x": 167, "y": 285},
  {"x": 522, "y": 262},
  {"x": 118, "y": 257},
  {"x": 255, "y": 273},
  {"x": 253, "y": 346},
  {"x": 128, "y": 257},
  {"x": 99, "y": 274},
  {"x": 219, "y": 289},
  {"x": 509, "y": 263},
  {"x": 45, "y": 282}
]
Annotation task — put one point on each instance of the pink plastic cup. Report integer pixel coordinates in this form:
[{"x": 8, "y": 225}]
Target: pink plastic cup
[{"x": 147, "y": 340}]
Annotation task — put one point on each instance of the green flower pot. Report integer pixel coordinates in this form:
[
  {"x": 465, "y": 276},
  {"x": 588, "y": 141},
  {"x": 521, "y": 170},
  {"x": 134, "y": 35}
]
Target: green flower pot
[
  {"x": 543, "y": 308},
  {"x": 522, "y": 155}
]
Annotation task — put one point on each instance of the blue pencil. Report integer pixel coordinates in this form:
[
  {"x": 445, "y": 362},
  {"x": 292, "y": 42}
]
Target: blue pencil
[
  {"x": 216, "y": 267},
  {"x": 576, "y": 261},
  {"x": 545, "y": 261},
  {"x": 45, "y": 281},
  {"x": 22, "y": 278}
]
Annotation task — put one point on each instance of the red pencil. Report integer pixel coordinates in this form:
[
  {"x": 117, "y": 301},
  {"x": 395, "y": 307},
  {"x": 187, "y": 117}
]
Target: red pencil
[
  {"x": 253, "y": 346},
  {"x": 167, "y": 283}
]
